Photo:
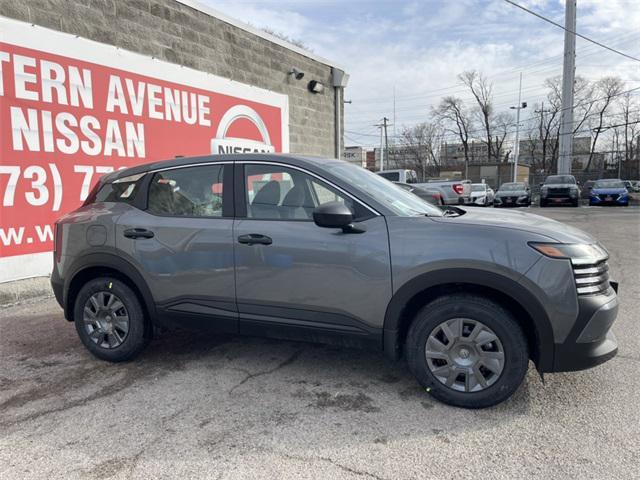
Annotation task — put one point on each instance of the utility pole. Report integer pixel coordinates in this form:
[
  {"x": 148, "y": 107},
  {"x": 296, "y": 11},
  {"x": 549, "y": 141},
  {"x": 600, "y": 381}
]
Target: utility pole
[
  {"x": 516, "y": 149},
  {"x": 384, "y": 140},
  {"x": 568, "y": 74}
]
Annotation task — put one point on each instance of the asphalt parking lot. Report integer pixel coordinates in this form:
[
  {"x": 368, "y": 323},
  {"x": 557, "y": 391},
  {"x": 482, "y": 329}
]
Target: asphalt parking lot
[{"x": 203, "y": 406}]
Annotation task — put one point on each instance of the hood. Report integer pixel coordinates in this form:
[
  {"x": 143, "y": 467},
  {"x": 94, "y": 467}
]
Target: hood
[
  {"x": 608, "y": 191},
  {"x": 518, "y": 220},
  {"x": 560, "y": 185},
  {"x": 511, "y": 193}
]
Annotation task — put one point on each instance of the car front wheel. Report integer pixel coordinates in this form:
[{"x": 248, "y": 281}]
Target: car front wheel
[
  {"x": 109, "y": 319},
  {"x": 467, "y": 351}
]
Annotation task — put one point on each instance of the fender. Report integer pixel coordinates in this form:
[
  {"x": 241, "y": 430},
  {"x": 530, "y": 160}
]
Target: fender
[
  {"x": 470, "y": 276},
  {"x": 108, "y": 259}
]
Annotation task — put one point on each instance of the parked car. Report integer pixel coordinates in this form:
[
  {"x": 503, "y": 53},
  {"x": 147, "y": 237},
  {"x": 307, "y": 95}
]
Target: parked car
[
  {"x": 400, "y": 175},
  {"x": 454, "y": 192},
  {"x": 609, "y": 192},
  {"x": 513, "y": 194},
  {"x": 322, "y": 250},
  {"x": 560, "y": 189},
  {"x": 632, "y": 187},
  {"x": 482, "y": 194},
  {"x": 585, "y": 191},
  {"x": 430, "y": 195}
]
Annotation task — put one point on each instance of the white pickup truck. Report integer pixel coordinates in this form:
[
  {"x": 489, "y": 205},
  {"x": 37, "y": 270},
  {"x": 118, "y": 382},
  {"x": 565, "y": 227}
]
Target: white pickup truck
[{"x": 454, "y": 192}]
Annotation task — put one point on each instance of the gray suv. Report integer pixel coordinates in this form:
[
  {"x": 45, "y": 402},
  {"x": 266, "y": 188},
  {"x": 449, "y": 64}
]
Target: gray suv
[{"x": 320, "y": 250}]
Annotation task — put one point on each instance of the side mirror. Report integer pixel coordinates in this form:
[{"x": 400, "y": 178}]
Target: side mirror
[{"x": 335, "y": 215}]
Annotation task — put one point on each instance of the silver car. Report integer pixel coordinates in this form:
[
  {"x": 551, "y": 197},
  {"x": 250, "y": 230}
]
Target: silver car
[{"x": 321, "y": 250}]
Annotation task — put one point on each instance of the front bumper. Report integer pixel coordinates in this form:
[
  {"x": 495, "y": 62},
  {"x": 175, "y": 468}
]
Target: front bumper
[
  {"x": 590, "y": 341},
  {"x": 598, "y": 200},
  {"x": 511, "y": 202}
]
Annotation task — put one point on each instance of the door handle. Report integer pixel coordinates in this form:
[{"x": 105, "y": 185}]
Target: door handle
[
  {"x": 255, "y": 238},
  {"x": 138, "y": 233}
]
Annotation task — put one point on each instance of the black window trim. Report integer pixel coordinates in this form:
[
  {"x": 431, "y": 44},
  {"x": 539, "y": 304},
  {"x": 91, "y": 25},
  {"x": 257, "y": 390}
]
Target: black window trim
[
  {"x": 240, "y": 198},
  {"x": 228, "y": 204}
]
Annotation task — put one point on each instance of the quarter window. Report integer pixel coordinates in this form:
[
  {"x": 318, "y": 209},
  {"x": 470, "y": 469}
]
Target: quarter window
[{"x": 187, "y": 192}]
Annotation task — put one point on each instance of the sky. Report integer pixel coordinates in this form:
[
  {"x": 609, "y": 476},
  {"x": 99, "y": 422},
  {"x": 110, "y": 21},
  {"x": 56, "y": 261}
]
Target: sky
[{"x": 417, "y": 49}]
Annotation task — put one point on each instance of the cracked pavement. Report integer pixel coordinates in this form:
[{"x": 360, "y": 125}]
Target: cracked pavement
[{"x": 197, "y": 405}]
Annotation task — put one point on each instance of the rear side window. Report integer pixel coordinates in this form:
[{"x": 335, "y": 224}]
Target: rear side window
[
  {"x": 393, "y": 176},
  {"x": 187, "y": 192},
  {"x": 122, "y": 190}
]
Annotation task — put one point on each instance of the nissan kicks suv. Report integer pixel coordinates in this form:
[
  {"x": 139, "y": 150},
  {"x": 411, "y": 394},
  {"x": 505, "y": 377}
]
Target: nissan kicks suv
[{"x": 321, "y": 250}]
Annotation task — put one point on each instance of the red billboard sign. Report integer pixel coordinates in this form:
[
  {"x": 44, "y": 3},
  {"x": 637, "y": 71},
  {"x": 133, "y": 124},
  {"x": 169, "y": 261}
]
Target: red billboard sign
[{"x": 72, "y": 109}]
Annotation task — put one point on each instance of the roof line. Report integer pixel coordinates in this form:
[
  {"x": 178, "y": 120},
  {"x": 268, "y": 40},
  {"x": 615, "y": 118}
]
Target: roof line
[{"x": 212, "y": 12}]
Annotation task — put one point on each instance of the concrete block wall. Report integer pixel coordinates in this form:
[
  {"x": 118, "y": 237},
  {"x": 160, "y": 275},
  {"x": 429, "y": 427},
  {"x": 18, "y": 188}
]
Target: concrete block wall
[{"x": 177, "y": 33}]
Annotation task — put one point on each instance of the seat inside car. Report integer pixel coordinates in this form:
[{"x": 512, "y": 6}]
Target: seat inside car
[
  {"x": 265, "y": 203},
  {"x": 295, "y": 205}
]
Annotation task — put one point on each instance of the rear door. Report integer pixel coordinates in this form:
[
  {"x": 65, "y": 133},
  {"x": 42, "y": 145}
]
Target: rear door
[
  {"x": 183, "y": 245},
  {"x": 297, "y": 280}
]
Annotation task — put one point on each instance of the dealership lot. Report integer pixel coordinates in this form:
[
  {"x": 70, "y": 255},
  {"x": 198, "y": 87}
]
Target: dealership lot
[{"x": 197, "y": 405}]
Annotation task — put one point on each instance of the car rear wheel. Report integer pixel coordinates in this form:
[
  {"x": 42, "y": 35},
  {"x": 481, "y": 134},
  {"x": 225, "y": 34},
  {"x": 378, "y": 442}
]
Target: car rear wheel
[
  {"x": 109, "y": 319},
  {"x": 467, "y": 351}
]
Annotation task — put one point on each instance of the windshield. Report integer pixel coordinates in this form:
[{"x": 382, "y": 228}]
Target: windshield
[
  {"x": 611, "y": 183},
  {"x": 561, "y": 179},
  {"x": 478, "y": 187},
  {"x": 512, "y": 187},
  {"x": 395, "y": 198}
]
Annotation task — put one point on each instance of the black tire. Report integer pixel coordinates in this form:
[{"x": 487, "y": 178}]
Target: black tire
[
  {"x": 491, "y": 314},
  {"x": 135, "y": 339},
  {"x": 543, "y": 204},
  {"x": 575, "y": 203}
]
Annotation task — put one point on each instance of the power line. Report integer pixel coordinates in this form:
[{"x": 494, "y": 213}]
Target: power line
[
  {"x": 571, "y": 31},
  {"x": 589, "y": 102}
]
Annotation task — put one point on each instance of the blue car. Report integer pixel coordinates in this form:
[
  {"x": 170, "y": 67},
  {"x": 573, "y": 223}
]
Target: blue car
[{"x": 609, "y": 192}]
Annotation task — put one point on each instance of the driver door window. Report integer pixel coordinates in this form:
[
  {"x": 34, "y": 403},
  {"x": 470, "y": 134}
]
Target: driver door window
[{"x": 279, "y": 193}]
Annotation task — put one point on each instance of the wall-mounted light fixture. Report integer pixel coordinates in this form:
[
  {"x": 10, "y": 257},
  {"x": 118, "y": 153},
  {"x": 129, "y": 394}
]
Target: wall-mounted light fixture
[
  {"x": 297, "y": 74},
  {"x": 315, "y": 86}
]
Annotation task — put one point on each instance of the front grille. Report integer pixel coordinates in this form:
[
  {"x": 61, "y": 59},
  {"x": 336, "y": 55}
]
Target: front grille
[
  {"x": 613, "y": 196},
  {"x": 592, "y": 279},
  {"x": 558, "y": 192}
]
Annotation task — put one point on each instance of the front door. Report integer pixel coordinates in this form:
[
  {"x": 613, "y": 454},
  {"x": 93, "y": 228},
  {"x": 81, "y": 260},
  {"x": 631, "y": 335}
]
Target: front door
[
  {"x": 297, "y": 280},
  {"x": 183, "y": 245}
]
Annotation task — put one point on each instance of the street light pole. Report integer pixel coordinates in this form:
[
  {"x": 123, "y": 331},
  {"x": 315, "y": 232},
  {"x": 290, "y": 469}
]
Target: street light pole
[{"x": 516, "y": 150}]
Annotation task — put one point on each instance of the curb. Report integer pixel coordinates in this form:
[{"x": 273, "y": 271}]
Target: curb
[{"x": 21, "y": 290}]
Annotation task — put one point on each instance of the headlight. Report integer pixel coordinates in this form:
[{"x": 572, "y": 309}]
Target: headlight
[
  {"x": 578, "y": 253},
  {"x": 522, "y": 197}
]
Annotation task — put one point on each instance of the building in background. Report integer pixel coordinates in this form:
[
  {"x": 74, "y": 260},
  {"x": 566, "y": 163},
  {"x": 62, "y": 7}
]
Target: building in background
[
  {"x": 122, "y": 83},
  {"x": 532, "y": 151},
  {"x": 453, "y": 153},
  {"x": 355, "y": 155}
]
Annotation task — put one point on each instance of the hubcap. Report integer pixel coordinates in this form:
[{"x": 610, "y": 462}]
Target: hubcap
[
  {"x": 106, "y": 320},
  {"x": 465, "y": 355}
]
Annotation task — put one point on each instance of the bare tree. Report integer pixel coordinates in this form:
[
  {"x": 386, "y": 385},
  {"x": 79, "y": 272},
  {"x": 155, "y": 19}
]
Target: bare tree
[
  {"x": 606, "y": 91},
  {"x": 583, "y": 106},
  {"x": 630, "y": 118},
  {"x": 419, "y": 144},
  {"x": 501, "y": 123},
  {"x": 454, "y": 118},
  {"x": 482, "y": 91}
]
